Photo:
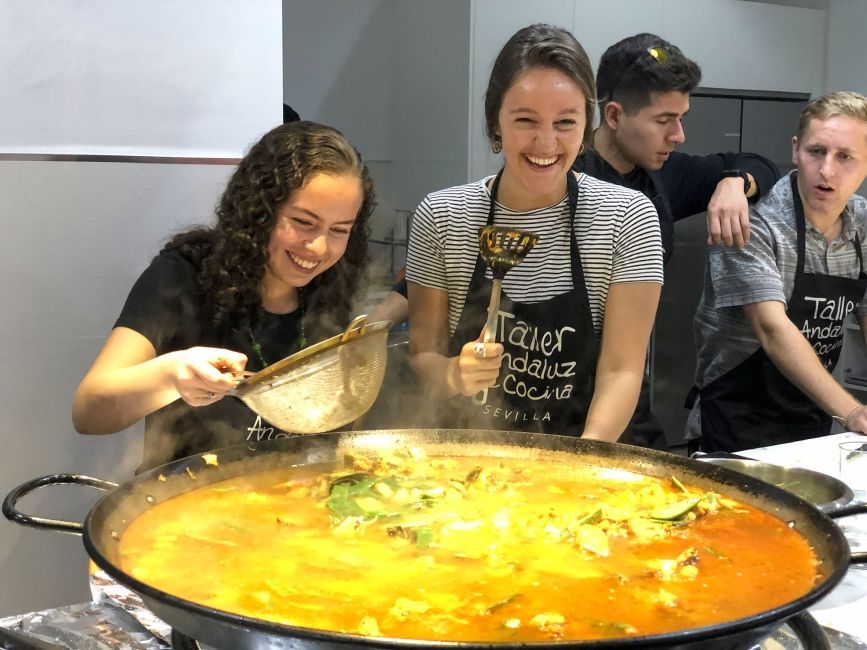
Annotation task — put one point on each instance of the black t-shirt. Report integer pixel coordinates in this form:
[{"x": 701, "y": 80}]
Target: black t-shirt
[
  {"x": 683, "y": 186},
  {"x": 165, "y": 306}
]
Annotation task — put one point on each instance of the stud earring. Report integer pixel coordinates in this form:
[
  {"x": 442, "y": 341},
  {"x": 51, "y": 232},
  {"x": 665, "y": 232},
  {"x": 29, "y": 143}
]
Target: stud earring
[{"x": 496, "y": 145}]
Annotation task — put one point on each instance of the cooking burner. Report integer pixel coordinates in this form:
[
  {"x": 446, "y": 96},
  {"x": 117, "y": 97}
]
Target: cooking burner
[{"x": 801, "y": 632}]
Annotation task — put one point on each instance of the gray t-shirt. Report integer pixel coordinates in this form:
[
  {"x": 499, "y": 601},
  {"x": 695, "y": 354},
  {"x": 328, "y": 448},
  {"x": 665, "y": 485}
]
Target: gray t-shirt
[{"x": 764, "y": 270}]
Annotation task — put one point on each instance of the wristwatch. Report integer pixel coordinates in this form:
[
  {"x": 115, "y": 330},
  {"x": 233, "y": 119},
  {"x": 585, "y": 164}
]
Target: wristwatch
[{"x": 732, "y": 173}]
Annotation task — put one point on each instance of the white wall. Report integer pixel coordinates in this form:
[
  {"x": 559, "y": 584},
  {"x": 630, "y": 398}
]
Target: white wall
[
  {"x": 744, "y": 45},
  {"x": 163, "y": 77},
  {"x": 847, "y": 50},
  {"x": 750, "y": 45},
  {"x": 847, "y": 46},
  {"x": 75, "y": 235},
  {"x": 429, "y": 107}
]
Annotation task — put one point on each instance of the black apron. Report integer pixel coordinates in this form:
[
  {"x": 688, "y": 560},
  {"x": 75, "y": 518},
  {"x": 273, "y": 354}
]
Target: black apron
[
  {"x": 550, "y": 352},
  {"x": 754, "y": 405}
]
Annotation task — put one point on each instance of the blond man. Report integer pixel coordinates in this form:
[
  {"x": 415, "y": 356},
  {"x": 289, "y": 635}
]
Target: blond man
[{"x": 769, "y": 327}]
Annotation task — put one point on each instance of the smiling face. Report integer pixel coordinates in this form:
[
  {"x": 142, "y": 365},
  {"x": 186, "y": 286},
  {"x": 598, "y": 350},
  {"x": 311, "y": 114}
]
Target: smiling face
[
  {"x": 541, "y": 124},
  {"x": 310, "y": 236},
  {"x": 831, "y": 158},
  {"x": 647, "y": 137}
]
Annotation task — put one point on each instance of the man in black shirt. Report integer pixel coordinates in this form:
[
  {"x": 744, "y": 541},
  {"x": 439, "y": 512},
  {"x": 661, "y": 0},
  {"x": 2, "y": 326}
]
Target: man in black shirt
[{"x": 643, "y": 84}]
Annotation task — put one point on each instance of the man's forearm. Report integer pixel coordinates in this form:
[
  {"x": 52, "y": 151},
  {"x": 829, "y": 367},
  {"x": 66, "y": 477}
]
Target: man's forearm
[{"x": 792, "y": 355}]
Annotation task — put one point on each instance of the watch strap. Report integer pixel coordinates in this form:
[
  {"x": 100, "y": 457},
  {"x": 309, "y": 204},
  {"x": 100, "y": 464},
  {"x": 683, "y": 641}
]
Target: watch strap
[{"x": 733, "y": 173}]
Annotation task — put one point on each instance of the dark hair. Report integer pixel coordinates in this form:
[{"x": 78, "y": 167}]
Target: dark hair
[
  {"x": 233, "y": 254},
  {"x": 542, "y": 46},
  {"x": 629, "y": 73},
  {"x": 289, "y": 114}
]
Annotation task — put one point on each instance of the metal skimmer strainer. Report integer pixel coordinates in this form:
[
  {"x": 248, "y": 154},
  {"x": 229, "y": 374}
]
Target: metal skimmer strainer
[
  {"x": 324, "y": 386},
  {"x": 501, "y": 249}
]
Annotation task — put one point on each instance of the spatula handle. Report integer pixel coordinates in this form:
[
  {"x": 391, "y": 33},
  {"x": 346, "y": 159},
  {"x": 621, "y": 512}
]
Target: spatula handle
[{"x": 490, "y": 335}]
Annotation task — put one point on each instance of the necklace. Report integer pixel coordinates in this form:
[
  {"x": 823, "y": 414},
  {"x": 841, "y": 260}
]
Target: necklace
[{"x": 302, "y": 339}]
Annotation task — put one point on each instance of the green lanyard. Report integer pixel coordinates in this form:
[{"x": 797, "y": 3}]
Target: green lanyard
[{"x": 257, "y": 347}]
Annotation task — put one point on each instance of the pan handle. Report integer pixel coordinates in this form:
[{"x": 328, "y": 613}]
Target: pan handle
[
  {"x": 857, "y": 557},
  {"x": 808, "y": 631},
  {"x": 858, "y": 508},
  {"x": 71, "y": 527}
]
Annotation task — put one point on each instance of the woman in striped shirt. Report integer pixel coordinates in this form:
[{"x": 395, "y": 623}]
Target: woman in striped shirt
[{"x": 576, "y": 314}]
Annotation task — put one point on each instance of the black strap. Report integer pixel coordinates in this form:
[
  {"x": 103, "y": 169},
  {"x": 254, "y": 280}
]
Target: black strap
[{"x": 572, "y": 192}]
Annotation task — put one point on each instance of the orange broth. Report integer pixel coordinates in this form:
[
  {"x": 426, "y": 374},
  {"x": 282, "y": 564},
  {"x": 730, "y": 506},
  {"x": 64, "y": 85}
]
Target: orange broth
[{"x": 469, "y": 549}]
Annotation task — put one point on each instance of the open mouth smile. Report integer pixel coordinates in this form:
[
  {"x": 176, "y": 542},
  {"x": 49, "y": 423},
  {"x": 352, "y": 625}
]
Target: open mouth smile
[
  {"x": 541, "y": 161},
  {"x": 307, "y": 265}
]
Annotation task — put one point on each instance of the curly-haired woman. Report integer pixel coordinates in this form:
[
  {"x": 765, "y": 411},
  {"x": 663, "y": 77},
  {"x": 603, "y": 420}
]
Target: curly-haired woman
[{"x": 278, "y": 271}]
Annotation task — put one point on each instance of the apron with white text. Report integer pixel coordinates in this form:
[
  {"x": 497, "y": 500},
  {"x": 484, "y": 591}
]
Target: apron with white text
[{"x": 550, "y": 351}]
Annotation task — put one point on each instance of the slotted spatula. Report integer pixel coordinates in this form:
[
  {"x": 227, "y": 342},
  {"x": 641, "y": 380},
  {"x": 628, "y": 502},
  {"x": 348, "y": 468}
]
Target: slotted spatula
[{"x": 501, "y": 249}]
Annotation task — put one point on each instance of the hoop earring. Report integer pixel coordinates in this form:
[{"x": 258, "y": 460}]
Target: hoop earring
[
  {"x": 581, "y": 149},
  {"x": 496, "y": 145}
]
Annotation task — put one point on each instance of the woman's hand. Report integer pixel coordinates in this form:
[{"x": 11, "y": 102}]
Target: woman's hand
[
  {"x": 203, "y": 376},
  {"x": 127, "y": 381},
  {"x": 476, "y": 368},
  {"x": 465, "y": 374}
]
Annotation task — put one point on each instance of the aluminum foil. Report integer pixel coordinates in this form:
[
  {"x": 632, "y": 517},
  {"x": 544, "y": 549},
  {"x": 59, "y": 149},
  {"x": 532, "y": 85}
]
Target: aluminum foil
[
  {"x": 86, "y": 626},
  {"x": 105, "y": 589}
]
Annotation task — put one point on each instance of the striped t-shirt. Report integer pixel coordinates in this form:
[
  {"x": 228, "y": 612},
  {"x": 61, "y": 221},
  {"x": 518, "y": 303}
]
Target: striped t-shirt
[{"x": 617, "y": 231}]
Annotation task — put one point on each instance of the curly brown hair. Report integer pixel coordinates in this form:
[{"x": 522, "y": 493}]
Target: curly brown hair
[{"x": 232, "y": 255}]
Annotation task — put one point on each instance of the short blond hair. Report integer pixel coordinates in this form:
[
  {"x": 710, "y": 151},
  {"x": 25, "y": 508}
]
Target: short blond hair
[{"x": 846, "y": 103}]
